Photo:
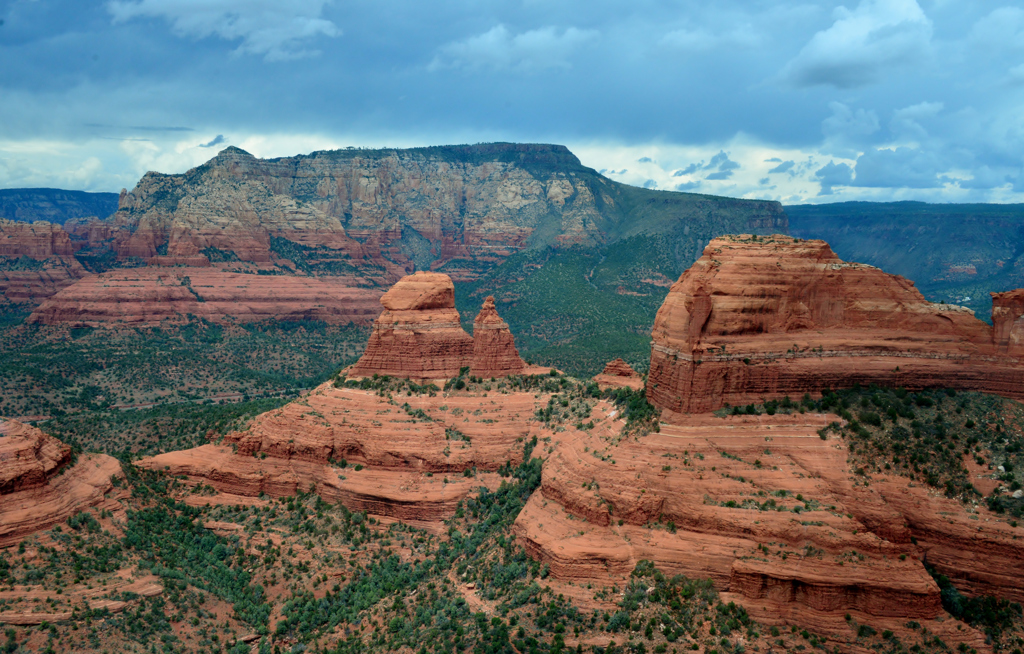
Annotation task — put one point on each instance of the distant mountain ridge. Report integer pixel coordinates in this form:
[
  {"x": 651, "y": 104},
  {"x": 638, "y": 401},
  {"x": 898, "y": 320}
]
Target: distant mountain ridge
[
  {"x": 460, "y": 209},
  {"x": 54, "y": 205}
]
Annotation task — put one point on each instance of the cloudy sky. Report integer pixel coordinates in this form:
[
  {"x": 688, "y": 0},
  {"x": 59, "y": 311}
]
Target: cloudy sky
[{"x": 794, "y": 101}]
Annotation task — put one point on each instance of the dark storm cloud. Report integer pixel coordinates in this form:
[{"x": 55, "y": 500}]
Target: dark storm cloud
[
  {"x": 833, "y": 174},
  {"x": 216, "y": 141},
  {"x": 900, "y": 168},
  {"x": 943, "y": 81}
]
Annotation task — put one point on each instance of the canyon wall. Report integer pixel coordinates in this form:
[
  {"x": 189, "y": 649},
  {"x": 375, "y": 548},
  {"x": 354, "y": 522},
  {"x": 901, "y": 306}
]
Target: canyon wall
[{"x": 761, "y": 317}]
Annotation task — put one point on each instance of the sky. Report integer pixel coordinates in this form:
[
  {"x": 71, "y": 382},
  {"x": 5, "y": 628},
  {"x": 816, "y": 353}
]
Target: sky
[{"x": 791, "y": 101}]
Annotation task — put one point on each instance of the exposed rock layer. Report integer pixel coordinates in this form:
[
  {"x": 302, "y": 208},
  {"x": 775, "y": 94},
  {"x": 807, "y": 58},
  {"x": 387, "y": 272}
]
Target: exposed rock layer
[
  {"x": 151, "y": 295},
  {"x": 418, "y": 335},
  {"x": 494, "y": 348},
  {"x": 366, "y": 216},
  {"x": 766, "y": 509},
  {"x": 619, "y": 374},
  {"x": 756, "y": 318},
  {"x": 405, "y": 451},
  {"x": 38, "y": 488}
]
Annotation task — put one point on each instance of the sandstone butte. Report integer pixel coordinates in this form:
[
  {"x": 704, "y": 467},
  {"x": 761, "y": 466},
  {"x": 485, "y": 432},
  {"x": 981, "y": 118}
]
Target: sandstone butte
[
  {"x": 39, "y": 485},
  {"x": 419, "y": 336},
  {"x": 147, "y": 296},
  {"x": 761, "y": 317},
  {"x": 619, "y": 374}
]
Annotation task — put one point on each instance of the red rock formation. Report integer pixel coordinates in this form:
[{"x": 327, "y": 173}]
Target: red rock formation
[
  {"x": 35, "y": 261},
  {"x": 33, "y": 496},
  {"x": 770, "y": 512},
  {"x": 29, "y": 456},
  {"x": 494, "y": 348},
  {"x": 146, "y": 296},
  {"x": 765, "y": 317},
  {"x": 1008, "y": 322},
  {"x": 418, "y": 336},
  {"x": 412, "y": 454},
  {"x": 37, "y": 240},
  {"x": 619, "y": 374}
]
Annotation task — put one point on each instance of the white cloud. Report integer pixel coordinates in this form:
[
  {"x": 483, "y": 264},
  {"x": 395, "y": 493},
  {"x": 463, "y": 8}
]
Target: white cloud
[
  {"x": 500, "y": 49},
  {"x": 272, "y": 28},
  {"x": 742, "y": 36},
  {"x": 861, "y": 44},
  {"x": 1003, "y": 28}
]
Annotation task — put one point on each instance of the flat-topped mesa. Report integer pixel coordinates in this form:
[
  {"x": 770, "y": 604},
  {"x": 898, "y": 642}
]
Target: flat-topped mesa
[
  {"x": 759, "y": 317},
  {"x": 419, "y": 335},
  {"x": 494, "y": 348}
]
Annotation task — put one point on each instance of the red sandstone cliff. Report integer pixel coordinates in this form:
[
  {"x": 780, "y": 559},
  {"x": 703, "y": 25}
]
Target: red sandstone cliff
[
  {"x": 418, "y": 336},
  {"x": 35, "y": 261},
  {"x": 33, "y": 496},
  {"x": 771, "y": 316},
  {"x": 494, "y": 348},
  {"x": 150, "y": 295},
  {"x": 37, "y": 240},
  {"x": 772, "y": 514}
]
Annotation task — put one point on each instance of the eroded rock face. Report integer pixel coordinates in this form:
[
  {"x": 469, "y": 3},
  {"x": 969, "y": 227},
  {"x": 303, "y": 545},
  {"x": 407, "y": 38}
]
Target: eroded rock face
[
  {"x": 770, "y": 512},
  {"x": 765, "y": 317},
  {"x": 150, "y": 295},
  {"x": 418, "y": 335},
  {"x": 412, "y": 451},
  {"x": 28, "y": 457},
  {"x": 1008, "y": 322},
  {"x": 37, "y": 240},
  {"x": 38, "y": 488},
  {"x": 619, "y": 374},
  {"x": 494, "y": 348}
]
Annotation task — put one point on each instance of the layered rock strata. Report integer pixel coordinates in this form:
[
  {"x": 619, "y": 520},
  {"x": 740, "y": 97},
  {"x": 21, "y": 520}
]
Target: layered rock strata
[
  {"x": 37, "y": 240},
  {"x": 147, "y": 296},
  {"x": 619, "y": 374},
  {"x": 425, "y": 206},
  {"x": 494, "y": 348},
  {"x": 770, "y": 512},
  {"x": 756, "y": 318},
  {"x": 411, "y": 452},
  {"x": 418, "y": 335},
  {"x": 35, "y": 261},
  {"x": 38, "y": 485}
]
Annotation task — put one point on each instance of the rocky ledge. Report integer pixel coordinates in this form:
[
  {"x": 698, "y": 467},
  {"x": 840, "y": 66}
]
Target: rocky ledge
[
  {"x": 761, "y": 317},
  {"x": 39, "y": 485}
]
